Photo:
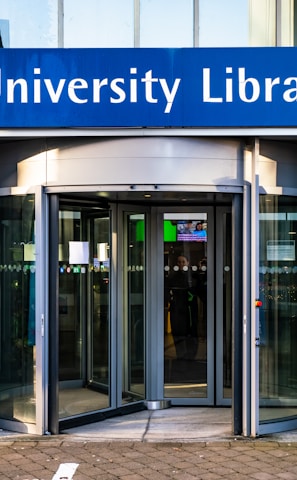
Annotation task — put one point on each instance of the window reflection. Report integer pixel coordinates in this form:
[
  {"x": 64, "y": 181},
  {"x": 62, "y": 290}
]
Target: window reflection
[
  {"x": 97, "y": 23},
  {"x": 133, "y": 388},
  {"x": 168, "y": 23},
  {"x": 185, "y": 302},
  {"x": 145, "y": 23},
  {"x": 84, "y": 333},
  {"x": 223, "y": 24},
  {"x": 278, "y": 315},
  {"x": 17, "y": 309},
  {"x": 29, "y": 24}
]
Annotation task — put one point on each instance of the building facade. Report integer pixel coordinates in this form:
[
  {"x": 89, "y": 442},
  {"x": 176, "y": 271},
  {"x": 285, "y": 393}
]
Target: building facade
[{"x": 148, "y": 210}]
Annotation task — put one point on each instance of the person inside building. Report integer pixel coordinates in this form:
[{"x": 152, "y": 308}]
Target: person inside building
[{"x": 181, "y": 292}]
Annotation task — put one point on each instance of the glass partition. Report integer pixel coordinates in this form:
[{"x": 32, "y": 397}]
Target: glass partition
[
  {"x": 185, "y": 305},
  {"x": 29, "y": 24},
  {"x": 98, "y": 23},
  {"x": 17, "y": 309},
  {"x": 278, "y": 314},
  {"x": 133, "y": 387},
  {"x": 226, "y": 220},
  {"x": 224, "y": 24},
  {"x": 84, "y": 305},
  {"x": 99, "y": 329},
  {"x": 166, "y": 24}
]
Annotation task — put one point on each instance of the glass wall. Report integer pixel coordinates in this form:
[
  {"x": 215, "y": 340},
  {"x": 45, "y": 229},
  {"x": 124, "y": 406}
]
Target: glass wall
[
  {"x": 29, "y": 24},
  {"x": 278, "y": 314},
  {"x": 166, "y": 24},
  {"x": 133, "y": 386},
  {"x": 185, "y": 306},
  {"x": 98, "y": 23},
  {"x": 223, "y": 24},
  {"x": 227, "y": 304},
  {"x": 84, "y": 300},
  {"x": 146, "y": 23},
  {"x": 17, "y": 309}
]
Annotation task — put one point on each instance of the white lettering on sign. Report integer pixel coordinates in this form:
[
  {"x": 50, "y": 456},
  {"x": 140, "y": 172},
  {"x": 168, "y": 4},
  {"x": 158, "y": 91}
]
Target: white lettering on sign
[
  {"x": 247, "y": 88},
  {"x": 235, "y": 85},
  {"x": 117, "y": 90}
]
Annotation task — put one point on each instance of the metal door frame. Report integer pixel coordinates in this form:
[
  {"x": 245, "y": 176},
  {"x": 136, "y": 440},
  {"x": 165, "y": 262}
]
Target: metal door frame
[
  {"x": 219, "y": 300},
  {"x": 123, "y": 210},
  {"x": 88, "y": 224}
]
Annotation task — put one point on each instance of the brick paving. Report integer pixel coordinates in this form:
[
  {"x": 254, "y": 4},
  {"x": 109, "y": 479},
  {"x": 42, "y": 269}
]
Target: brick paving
[{"x": 40, "y": 458}]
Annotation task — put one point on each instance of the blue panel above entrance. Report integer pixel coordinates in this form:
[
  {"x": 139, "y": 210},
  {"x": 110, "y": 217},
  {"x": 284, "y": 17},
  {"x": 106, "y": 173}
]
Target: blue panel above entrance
[{"x": 191, "y": 87}]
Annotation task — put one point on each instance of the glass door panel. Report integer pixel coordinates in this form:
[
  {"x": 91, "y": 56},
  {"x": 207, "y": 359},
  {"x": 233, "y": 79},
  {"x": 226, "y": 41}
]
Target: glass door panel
[
  {"x": 227, "y": 305},
  {"x": 99, "y": 283},
  {"x": 84, "y": 249},
  {"x": 17, "y": 309},
  {"x": 277, "y": 316},
  {"x": 185, "y": 302},
  {"x": 133, "y": 387},
  {"x": 224, "y": 306}
]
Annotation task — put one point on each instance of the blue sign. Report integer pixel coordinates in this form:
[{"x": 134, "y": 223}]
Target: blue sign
[{"x": 187, "y": 87}]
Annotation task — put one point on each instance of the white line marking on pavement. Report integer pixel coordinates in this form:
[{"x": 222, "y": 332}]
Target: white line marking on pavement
[{"x": 65, "y": 471}]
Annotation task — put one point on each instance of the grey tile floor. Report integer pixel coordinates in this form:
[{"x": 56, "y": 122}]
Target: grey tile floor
[
  {"x": 171, "y": 424},
  {"x": 174, "y": 424}
]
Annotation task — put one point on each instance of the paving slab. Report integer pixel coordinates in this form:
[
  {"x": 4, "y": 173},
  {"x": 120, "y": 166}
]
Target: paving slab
[{"x": 93, "y": 460}]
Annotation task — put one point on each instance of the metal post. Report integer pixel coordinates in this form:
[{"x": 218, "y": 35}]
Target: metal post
[{"x": 254, "y": 291}]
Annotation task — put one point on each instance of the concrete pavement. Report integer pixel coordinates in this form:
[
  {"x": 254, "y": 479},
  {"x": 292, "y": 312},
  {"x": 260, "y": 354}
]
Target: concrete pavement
[
  {"x": 175, "y": 424},
  {"x": 172, "y": 424},
  {"x": 182, "y": 443}
]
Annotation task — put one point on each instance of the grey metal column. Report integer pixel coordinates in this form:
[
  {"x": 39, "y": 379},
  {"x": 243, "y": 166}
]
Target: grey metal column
[
  {"x": 250, "y": 292},
  {"x": 53, "y": 395},
  {"x": 196, "y": 23},
  {"x": 237, "y": 360},
  {"x": 246, "y": 306},
  {"x": 60, "y": 23},
  {"x": 254, "y": 345},
  {"x": 155, "y": 332},
  {"x": 41, "y": 310}
]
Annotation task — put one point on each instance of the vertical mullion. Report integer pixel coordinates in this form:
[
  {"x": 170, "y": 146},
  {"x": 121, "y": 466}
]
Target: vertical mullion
[
  {"x": 41, "y": 313},
  {"x": 255, "y": 292},
  {"x": 53, "y": 396},
  {"x": 136, "y": 23},
  {"x": 196, "y": 23},
  {"x": 60, "y": 23}
]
